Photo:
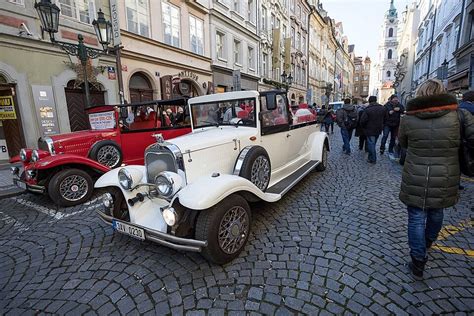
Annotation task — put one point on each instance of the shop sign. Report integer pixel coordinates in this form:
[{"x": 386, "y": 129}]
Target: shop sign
[
  {"x": 166, "y": 87},
  {"x": 7, "y": 108},
  {"x": 3, "y": 150},
  {"x": 45, "y": 110},
  {"x": 111, "y": 73},
  {"x": 103, "y": 120},
  {"x": 188, "y": 74},
  {"x": 114, "y": 16}
]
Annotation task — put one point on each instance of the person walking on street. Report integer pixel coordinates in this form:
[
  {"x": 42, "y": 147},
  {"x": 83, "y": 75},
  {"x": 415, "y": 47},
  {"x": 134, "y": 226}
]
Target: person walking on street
[
  {"x": 346, "y": 119},
  {"x": 394, "y": 111},
  {"x": 325, "y": 118},
  {"x": 467, "y": 102},
  {"x": 359, "y": 132},
  {"x": 332, "y": 115},
  {"x": 372, "y": 120},
  {"x": 431, "y": 133}
]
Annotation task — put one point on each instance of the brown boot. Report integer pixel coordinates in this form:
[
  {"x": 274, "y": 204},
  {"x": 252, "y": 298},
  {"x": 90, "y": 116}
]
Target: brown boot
[{"x": 417, "y": 267}]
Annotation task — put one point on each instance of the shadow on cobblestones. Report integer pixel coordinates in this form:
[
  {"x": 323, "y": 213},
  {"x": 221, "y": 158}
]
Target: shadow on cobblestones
[{"x": 336, "y": 243}]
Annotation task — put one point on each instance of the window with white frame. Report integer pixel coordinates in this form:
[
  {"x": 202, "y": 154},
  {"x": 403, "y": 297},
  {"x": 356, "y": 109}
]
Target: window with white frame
[
  {"x": 272, "y": 21},
  {"x": 366, "y": 89},
  {"x": 298, "y": 12},
  {"x": 293, "y": 36},
  {"x": 250, "y": 11},
  {"x": 265, "y": 65},
  {"x": 171, "y": 24},
  {"x": 137, "y": 17},
  {"x": 77, "y": 9},
  {"x": 303, "y": 75},
  {"x": 237, "y": 5},
  {"x": 263, "y": 22},
  {"x": 19, "y": 2},
  {"x": 251, "y": 57},
  {"x": 220, "y": 45},
  {"x": 298, "y": 41},
  {"x": 356, "y": 78},
  {"x": 292, "y": 5},
  {"x": 196, "y": 35},
  {"x": 303, "y": 44},
  {"x": 237, "y": 52}
]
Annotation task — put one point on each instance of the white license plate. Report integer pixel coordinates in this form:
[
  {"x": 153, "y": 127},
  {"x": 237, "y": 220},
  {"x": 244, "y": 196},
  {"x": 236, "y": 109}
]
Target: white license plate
[
  {"x": 20, "y": 184},
  {"x": 130, "y": 230}
]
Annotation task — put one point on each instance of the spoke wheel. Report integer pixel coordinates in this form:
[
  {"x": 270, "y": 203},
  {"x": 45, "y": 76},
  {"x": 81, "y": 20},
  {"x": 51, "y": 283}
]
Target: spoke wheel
[
  {"x": 109, "y": 156},
  {"x": 70, "y": 187},
  {"x": 225, "y": 227},
  {"x": 233, "y": 230},
  {"x": 260, "y": 173}
]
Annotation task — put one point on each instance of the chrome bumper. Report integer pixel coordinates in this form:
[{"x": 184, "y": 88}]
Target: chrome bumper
[
  {"x": 30, "y": 187},
  {"x": 167, "y": 240}
]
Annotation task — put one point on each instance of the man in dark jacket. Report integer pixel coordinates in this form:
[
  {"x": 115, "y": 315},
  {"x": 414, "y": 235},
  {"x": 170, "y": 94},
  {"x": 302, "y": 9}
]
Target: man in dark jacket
[
  {"x": 394, "y": 110},
  {"x": 467, "y": 102},
  {"x": 346, "y": 119},
  {"x": 372, "y": 120},
  {"x": 431, "y": 133}
]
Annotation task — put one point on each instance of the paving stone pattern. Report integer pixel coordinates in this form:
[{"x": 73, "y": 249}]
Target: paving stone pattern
[{"x": 335, "y": 244}]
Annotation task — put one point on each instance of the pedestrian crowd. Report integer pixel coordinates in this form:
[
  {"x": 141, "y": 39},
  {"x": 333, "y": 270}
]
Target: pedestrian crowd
[{"x": 434, "y": 139}]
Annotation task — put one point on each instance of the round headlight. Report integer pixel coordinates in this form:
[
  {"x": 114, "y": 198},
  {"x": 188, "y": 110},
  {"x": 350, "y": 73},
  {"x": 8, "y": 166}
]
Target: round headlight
[
  {"x": 35, "y": 155},
  {"x": 125, "y": 179},
  {"x": 164, "y": 185},
  {"x": 23, "y": 154},
  {"x": 170, "y": 216},
  {"x": 107, "y": 200}
]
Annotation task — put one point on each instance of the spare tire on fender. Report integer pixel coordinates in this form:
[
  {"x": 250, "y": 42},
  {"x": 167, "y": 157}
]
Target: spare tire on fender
[
  {"x": 107, "y": 153},
  {"x": 255, "y": 167}
]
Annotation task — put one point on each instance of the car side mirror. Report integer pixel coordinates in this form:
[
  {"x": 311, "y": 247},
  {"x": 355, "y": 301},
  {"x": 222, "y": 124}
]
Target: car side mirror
[{"x": 271, "y": 102}]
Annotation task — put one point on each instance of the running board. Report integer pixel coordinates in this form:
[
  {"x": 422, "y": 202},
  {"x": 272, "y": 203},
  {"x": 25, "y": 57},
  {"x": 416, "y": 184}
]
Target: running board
[{"x": 286, "y": 184}]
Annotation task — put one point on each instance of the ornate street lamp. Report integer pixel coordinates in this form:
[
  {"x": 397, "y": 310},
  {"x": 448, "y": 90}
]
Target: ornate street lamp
[
  {"x": 286, "y": 80},
  {"x": 49, "y": 17}
]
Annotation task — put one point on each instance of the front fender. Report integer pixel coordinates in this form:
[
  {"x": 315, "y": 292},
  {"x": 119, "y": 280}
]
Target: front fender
[
  {"x": 207, "y": 191},
  {"x": 68, "y": 159},
  {"x": 318, "y": 141},
  {"x": 110, "y": 179}
]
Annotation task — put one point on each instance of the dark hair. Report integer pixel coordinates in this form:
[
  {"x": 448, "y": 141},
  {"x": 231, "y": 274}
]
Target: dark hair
[
  {"x": 393, "y": 96},
  {"x": 323, "y": 107},
  {"x": 372, "y": 99},
  {"x": 347, "y": 101},
  {"x": 468, "y": 96}
]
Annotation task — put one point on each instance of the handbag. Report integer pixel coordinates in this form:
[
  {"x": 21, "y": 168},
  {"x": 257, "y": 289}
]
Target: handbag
[{"x": 466, "y": 152}]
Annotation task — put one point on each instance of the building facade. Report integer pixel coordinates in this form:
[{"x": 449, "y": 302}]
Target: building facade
[
  {"x": 40, "y": 81},
  {"x": 234, "y": 44},
  {"x": 462, "y": 79},
  {"x": 166, "y": 50},
  {"x": 384, "y": 70},
  {"x": 408, "y": 31},
  {"x": 361, "y": 79},
  {"x": 438, "y": 38}
]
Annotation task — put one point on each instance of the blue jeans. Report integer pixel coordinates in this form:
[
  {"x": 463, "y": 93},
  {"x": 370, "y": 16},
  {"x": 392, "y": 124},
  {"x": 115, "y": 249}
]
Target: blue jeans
[
  {"x": 423, "y": 226},
  {"x": 346, "y": 138},
  {"x": 393, "y": 131},
  {"x": 371, "y": 142}
]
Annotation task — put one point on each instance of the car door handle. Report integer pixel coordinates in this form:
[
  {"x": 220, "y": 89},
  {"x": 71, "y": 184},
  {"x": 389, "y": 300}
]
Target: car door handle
[{"x": 288, "y": 135}]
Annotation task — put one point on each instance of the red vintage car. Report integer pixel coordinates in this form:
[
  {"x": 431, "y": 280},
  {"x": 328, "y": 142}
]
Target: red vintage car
[{"x": 66, "y": 166}]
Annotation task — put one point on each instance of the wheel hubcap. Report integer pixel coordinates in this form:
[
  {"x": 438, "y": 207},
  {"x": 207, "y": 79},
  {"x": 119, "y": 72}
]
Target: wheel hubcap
[
  {"x": 233, "y": 230},
  {"x": 108, "y": 156},
  {"x": 73, "y": 188},
  {"x": 260, "y": 175}
]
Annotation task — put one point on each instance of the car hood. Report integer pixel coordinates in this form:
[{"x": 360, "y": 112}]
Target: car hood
[
  {"x": 212, "y": 136},
  {"x": 62, "y": 141}
]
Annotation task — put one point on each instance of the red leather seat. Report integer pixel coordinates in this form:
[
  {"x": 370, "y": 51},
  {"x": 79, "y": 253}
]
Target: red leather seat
[
  {"x": 243, "y": 114},
  {"x": 279, "y": 121}
]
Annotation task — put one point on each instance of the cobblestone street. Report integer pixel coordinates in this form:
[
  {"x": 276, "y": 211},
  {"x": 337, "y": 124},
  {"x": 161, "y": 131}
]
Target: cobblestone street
[{"x": 335, "y": 244}]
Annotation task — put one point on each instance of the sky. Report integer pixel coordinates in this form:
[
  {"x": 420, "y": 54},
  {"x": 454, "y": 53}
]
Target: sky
[{"x": 362, "y": 20}]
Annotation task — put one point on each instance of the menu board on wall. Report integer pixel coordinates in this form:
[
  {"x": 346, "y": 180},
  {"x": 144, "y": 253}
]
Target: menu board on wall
[{"x": 45, "y": 109}]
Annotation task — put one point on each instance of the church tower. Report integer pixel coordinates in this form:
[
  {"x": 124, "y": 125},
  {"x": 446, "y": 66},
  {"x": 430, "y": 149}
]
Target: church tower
[{"x": 387, "y": 55}]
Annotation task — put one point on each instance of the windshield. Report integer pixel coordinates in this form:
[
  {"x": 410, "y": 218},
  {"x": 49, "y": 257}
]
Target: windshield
[{"x": 229, "y": 112}]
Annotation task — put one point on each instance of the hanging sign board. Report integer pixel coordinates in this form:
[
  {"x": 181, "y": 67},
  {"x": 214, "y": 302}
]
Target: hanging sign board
[
  {"x": 7, "y": 108},
  {"x": 45, "y": 110},
  {"x": 114, "y": 16}
]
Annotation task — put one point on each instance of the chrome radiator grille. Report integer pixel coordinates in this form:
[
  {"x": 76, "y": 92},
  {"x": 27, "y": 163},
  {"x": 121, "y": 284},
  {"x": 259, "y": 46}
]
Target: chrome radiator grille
[{"x": 157, "y": 162}]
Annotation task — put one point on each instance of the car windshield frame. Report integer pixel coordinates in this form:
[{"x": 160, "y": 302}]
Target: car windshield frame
[{"x": 220, "y": 117}]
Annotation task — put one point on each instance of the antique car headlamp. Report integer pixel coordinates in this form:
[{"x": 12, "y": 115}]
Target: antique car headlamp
[
  {"x": 125, "y": 179},
  {"x": 108, "y": 200},
  {"x": 170, "y": 216},
  {"x": 167, "y": 184},
  {"x": 15, "y": 171},
  {"x": 35, "y": 155},
  {"x": 23, "y": 155}
]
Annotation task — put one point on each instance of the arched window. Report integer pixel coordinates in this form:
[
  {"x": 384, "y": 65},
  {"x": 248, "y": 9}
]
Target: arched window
[
  {"x": 389, "y": 74},
  {"x": 390, "y": 32},
  {"x": 389, "y": 54}
]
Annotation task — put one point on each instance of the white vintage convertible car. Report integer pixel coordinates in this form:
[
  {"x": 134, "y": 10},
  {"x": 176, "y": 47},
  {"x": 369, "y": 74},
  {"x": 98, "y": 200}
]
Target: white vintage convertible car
[{"x": 194, "y": 191}]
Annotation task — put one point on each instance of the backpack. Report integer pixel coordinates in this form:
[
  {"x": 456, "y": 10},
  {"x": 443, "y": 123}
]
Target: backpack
[
  {"x": 466, "y": 152},
  {"x": 351, "y": 119}
]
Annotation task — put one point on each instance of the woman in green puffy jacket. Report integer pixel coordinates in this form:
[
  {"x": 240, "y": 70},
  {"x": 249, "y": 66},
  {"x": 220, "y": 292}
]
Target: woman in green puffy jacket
[{"x": 431, "y": 133}]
